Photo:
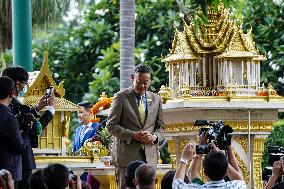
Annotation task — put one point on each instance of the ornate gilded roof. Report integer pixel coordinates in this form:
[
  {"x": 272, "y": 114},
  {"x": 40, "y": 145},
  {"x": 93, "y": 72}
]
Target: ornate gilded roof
[
  {"x": 220, "y": 36},
  {"x": 39, "y": 81},
  {"x": 61, "y": 104}
]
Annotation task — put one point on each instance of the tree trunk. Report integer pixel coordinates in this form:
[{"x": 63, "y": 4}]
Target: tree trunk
[
  {"x": 127, "y": 41},
  {"x": 5, "y": 25}
]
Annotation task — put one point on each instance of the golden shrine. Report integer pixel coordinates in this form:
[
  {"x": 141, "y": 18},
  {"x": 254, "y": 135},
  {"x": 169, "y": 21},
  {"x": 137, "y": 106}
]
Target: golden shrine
[
  {"x": 214, "y": 74},
  {"x": 54, "y": 138}
]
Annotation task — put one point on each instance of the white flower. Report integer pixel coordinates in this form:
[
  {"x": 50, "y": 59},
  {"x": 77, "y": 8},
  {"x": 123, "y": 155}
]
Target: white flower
[
  {"x": 275, "y": 67},
  {"x": 34, "y": 54},
  {"x": 158, "y": 43},
  {"x": 176, "y": 23},
  {"x": 281, "y": 79},
  {"x": 142, "y": 57},
  {"x": 55, "y": 75},
  {"x": 269, "y": 55},
  {"x": 277, "y": 2},
  {"x": 181, "y": 15},
  {"x": 155, "y": 38},
  {"x": 56, "y": 61},
  {"x": 86, "y": 43},
  {"x": 81, "y": 74},
  {"x": 97, "y": 70},
  {"x": 71, "y": 39},
  {"x": 100, "y": 12}
]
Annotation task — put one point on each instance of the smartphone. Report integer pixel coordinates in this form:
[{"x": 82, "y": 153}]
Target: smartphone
[{"x": 49, "y": 91}]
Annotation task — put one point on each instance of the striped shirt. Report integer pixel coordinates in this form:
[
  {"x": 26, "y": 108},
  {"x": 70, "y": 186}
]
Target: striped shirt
[{"x": 235, "y": 184}]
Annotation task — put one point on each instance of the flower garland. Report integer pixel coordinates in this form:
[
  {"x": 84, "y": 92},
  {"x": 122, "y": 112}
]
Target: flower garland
[{"x": 105, "y": 103}]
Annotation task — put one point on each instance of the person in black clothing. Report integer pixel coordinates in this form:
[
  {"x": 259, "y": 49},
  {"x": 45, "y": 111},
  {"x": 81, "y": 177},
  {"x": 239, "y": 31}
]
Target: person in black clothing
[
  {"x": 12, "y": 141},
  {"x": 277, "y": 172},
  {"x": 20, "y": 77}
]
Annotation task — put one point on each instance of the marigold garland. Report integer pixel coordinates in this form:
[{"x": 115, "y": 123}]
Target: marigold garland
[{"x": 105, "y": 102}]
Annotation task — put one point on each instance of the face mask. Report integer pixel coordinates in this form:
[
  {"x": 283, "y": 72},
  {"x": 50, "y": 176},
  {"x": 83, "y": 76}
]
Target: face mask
[{"x": 23, "y": 92}]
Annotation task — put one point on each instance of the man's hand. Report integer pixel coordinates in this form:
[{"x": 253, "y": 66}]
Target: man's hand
[
  {"x": 277, "y": 169},
  {"x": 138, "y": 136},
  {"x": 6, "y": 183},
  {"x": 51, "y": 101},
  {"x": 41, "y": 103},
  {"x": 45, "y": 101},
  {"x": 144, "y": 137},
  {"x": 203, "y": 138},
  {"x": 188, "y": 152},
  {"x": 149, "y": 137},
  {"x": 75, "y": 184}
]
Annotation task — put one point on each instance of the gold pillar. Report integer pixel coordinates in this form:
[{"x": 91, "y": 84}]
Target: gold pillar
[{"x": 258, "y": 146}]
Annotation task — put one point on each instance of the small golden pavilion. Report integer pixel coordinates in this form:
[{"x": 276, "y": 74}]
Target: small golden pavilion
[
  {"x": 215, "y": 55},
  {"x": 214, "y": 74},
  {"x": 54, "y": 138}
]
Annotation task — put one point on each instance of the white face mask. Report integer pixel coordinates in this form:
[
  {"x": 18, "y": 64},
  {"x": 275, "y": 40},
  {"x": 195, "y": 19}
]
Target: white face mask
[{"x": 23, "y": 92}]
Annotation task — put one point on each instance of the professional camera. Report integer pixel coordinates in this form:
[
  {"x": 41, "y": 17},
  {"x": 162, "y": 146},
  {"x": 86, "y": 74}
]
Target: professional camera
[
  {"x": 23, "y": 115},
  {"x": 276, "y": 153},
  {"x": 217, "y": 132}
]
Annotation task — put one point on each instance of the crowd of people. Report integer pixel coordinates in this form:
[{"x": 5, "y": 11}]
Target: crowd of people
[{"x": 135, "y": 120}]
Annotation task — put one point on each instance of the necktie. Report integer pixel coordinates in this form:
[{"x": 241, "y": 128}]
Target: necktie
[
  {"x": 82, "y": 134},
  {"x": 141, "y": 109}
]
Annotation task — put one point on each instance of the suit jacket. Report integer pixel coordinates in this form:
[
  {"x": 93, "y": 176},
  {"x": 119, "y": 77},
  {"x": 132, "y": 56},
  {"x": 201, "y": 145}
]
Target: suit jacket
[
  {"x": 90, "y": 134},
  {"x": 27, "y": 155},
  {"x": 12, "y": 143},
  {"x": 124, "y": 120}
]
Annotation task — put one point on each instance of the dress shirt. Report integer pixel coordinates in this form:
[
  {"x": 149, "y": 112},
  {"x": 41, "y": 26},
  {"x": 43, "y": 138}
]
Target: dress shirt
[{"x": 221, "y": 184}]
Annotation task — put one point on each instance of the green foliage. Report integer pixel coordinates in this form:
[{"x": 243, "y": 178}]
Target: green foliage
[
  {"x": 104, "y": 136},
  {"x": 74, "y": 53},
  {"x": 267, "y": 22},
  {"x": 276, "y": 138},
  {"x": 86, "y": 56}
]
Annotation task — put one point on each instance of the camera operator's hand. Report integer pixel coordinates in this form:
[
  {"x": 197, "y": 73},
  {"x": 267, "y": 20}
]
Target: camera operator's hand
[
  {"x": 75, "y": 184},
  {"x": 9, "y": 183},
  {"x": 277, "y": 169},
  {"x": 215, "y": 148},
  {"x": 188, "y": 152},
  {"x": 203, "y": 138},
  {"x": 276, "y": 173}
]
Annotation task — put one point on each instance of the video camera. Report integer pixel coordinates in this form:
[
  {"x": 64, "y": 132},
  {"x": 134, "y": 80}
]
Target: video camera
[
  {"x": 23, "y": 115},
  {"x": 276, "y": 153},
  {"x": 217, "y": 132}
]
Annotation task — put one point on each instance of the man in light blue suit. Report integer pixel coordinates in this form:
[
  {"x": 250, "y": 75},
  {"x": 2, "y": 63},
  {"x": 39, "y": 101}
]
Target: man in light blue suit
[{"x": 86, "y": 129}]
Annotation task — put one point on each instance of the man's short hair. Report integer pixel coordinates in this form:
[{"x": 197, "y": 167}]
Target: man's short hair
[
  {"x": 16, "y": 73},
  {"x": 142, "y": 69},
  {"x": 145, "y": 176},
  {"x": 130, "y": 173},
  {"x": 6, "y": 87},
  {"x": 35, "y": 181},
  {"x": 86, "y": 104},
  {"x": 215, "y": 165},
  {"x": 55, "y": 176},
  {"x": 167, "y": 180}
]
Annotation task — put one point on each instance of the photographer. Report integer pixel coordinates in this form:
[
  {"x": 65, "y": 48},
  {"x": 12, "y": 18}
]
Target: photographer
[
  {"x": 276, "y": 174},
  {"x": 20, "y": 77},
  {"x": 58, "y": 176},
  {"x": 215, "y": 167},
  {"x": 12, "y": 141}
]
